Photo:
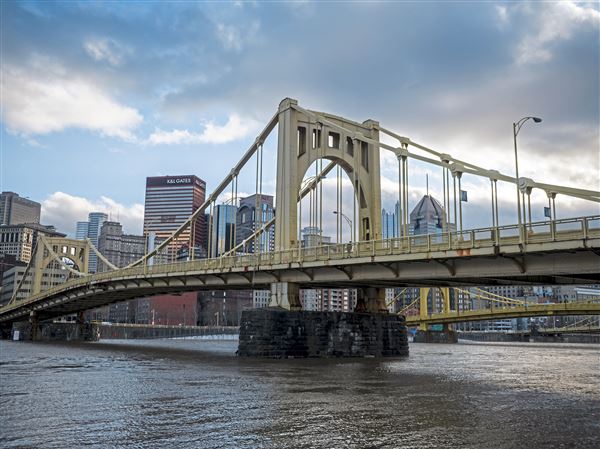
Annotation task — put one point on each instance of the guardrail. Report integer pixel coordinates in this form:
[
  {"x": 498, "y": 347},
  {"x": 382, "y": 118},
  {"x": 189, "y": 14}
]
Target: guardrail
[{"x": 538, "y": 232}]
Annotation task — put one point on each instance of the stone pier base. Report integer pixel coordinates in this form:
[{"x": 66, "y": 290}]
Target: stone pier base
[
  {"x": 445, "y": 336},
  {"x": 57, "y": 331},
  {"x": 279, "y": 333}
]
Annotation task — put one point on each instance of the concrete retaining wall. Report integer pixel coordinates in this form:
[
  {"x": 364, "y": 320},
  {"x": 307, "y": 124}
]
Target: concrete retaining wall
[
  {"x": 57, "y": 331},
  {"x": 493, "y": 336},
  {"x": 280, "y": 333},
  {"x": 137, "y": 331},
  {"x": 436, "y": 337}
]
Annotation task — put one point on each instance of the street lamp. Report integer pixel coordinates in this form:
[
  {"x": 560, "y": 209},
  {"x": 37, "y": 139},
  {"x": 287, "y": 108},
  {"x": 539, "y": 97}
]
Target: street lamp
[
  {"x": 516, "y": 128},
  {"x": 335, "y": 212}
]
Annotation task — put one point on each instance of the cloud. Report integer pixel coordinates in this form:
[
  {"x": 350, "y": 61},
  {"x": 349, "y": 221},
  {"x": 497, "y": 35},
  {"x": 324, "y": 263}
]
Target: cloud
[
  {"x": 106, "y": 49},
  {"x": 501, "y": 15},
  {"x": 556, "y": 22},
  {"x": 235, "y": 128},
  {"x": 41, "y": 102},
  {"x": 229, "y": 36},
  {"x": 235, "y": 37},
  {"x": 64, "y": 211}
]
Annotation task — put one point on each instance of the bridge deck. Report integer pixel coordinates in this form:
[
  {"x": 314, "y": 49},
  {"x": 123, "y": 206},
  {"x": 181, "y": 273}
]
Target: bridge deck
[{"x": 564, "y": 251}]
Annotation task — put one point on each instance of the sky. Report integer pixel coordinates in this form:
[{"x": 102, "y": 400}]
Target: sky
[{"x": 96, "y": 96}]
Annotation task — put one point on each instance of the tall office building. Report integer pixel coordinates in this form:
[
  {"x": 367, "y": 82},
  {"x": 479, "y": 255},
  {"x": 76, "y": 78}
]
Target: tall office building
[
  {"x": 222, "y": 226},
  {"x": 18, "y": 210},
  {"x": 91, "y": 230},
  {"x": 20, "y": 240},
  {"x": 311, "y": 236},
  {"x": 390, "y": 226},
  {"x": 81, "y": 230},
  {"x": 248, "y": 220},
  {"x": 427, "y": 217},
  {"x": 169, "y": 202},
  {"x": 120, "y": 249}
]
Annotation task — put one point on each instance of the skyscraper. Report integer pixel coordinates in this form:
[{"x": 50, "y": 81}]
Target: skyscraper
[
  {"x": 120, "y": 249},
  {"x": 248, "y": 221},
  {"x": 170, "y": 200},
  {"x": 222, "y": 237},
  {"x": 390, "y": 222},
  {"x": 428, "y": 217},
  {"x": 91, "y": 230},
  {"x": 81, "y": 230},
  {"x": 18, "y": 210}
]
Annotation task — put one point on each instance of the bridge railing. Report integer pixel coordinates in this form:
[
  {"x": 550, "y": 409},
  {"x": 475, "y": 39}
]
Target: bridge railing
[{"x": 538, "y": 232}]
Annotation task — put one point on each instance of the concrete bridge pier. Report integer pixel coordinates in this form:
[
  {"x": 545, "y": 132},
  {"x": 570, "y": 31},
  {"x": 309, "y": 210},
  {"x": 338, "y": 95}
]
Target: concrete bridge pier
[
  {"x": 34, "y": 326},
  {"x": 445, "y": 335},
  {"x": 5, "y": 331},
  {"x": 371, "y": 300},
  {"x": 284, "y": 330},
  {"x": 285, "y": 295},
  {"x": 35, "y": 329}
]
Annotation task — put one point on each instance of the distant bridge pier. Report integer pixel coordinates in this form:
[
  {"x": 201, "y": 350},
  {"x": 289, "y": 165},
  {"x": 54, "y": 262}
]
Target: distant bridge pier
[
  {"x": 36, "y": 328},
  {"x": 34, "y": 323},
  {"x": 424, "y": 333}
]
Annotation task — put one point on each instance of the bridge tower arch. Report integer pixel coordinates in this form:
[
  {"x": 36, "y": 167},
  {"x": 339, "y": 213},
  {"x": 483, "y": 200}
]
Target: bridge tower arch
[
  {"x": 305, "y": 138},
  {"x": 52, "y": 250}
]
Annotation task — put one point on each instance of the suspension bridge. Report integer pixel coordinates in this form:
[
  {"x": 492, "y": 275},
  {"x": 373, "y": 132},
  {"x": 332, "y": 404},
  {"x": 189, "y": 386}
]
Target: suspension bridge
[{"x": 554, "y": 251}]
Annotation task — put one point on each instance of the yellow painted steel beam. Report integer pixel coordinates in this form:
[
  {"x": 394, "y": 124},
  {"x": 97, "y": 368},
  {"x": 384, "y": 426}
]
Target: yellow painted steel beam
[{"x": 495, "y": 313}]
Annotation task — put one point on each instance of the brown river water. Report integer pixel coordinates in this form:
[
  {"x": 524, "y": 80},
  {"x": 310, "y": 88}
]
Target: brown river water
[{"x": 193, "y": 393}]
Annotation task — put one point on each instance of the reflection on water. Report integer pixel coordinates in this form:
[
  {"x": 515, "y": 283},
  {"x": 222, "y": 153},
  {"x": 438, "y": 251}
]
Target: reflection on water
[{"x": 197, "y": 394}]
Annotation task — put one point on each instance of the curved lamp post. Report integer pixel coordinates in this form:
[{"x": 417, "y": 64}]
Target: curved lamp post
[
  {"x": 516, "y": 128},
  {"x": 335, "y": 212}
]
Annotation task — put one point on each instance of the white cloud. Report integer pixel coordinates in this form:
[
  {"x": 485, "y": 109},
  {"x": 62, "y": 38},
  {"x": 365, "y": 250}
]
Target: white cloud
[
  {"x": 557, "y": 21},
  {"x": 229, "y": 36},
  {"x": 64, "y": 210},
  {"x": 106, "y": 49},
  {"x": 234, "y": 37},
  {"x": 501, "y": 16},
  {"x": 235, "y": 128},
  {"x": 38, "y": 101}
]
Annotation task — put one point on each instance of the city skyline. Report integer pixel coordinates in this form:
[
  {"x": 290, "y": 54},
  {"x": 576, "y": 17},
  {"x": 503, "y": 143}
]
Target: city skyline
[{"x": 193, "y": 98}]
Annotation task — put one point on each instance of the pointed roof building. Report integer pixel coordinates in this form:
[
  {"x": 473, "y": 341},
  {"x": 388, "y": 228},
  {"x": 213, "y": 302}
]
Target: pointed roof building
[{"x": 427, "y": 217}]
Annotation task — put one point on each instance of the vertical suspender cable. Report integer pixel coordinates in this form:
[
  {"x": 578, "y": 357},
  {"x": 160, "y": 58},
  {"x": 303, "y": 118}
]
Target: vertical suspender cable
[
  {"x": 341, "y": 209},
  {"x": 211, "y": 242},
  {"x": 529, "y": 208},
  {"x": 400, "y": 197},
  {"x": 406, "y": 193},
  {"x": 493, "y": 203},
  {"x": 299, "y": 233},
  {"x": 444, "y": 193},
  {"x": 321, "y": 196},
  {"x": 523, "y": 206},
  {"x": 496, "y": 200},
  {"x": 337, "y": 205},
  {"x": 460, "y": 202},
  {"x": 260, "y": 206}
]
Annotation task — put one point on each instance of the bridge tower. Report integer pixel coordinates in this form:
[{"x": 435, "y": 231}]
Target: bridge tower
[
  {"x": 59, "y": 250},
  {"x": 305, "y": 138}
]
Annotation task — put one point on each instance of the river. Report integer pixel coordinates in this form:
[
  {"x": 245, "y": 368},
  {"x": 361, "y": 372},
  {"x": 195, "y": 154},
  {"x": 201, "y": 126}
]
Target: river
[{"x": 192, "y": 393}]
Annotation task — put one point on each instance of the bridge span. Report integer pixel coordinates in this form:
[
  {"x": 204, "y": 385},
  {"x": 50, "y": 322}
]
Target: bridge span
[
  {"x": 554, "y": 251},
  {"x": 474, "y": 257},
  {"x": 499, "y": 313}
]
